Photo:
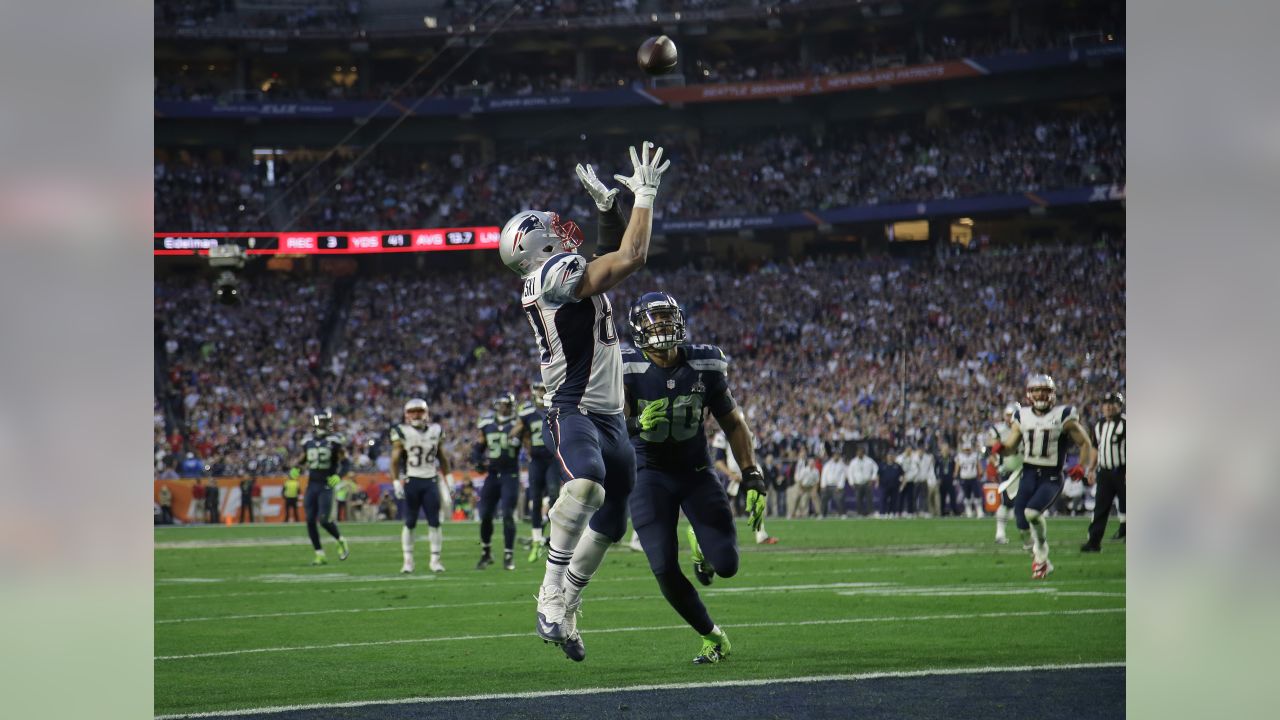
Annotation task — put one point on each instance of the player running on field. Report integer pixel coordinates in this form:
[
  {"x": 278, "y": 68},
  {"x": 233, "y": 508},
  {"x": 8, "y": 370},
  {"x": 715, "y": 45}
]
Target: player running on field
[
  {"x": 670, "y": 386},
  {"x": 572, "y": 320},
  {"x": 498, "y": 455},
  {"x": 544, "y": 475},
  {"x": 1010, "y": 471},
  {"x": 418, "y": 464},
  {"x": 324, "y": 456},
  {"x": 1041, "y": 433}
]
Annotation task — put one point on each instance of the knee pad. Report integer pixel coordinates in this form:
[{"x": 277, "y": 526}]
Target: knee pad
[
  {"x": 579, "y": 499},
  {"x": 1031, "y": 514}
]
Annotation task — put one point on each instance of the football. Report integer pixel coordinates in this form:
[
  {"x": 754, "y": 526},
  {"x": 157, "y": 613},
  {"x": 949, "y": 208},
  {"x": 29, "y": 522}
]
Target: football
[{"x": 657, "y": 55}]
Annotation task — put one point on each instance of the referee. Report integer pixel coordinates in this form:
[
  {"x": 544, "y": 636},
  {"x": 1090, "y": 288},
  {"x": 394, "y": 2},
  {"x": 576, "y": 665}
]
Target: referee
[{"x": 1109, "y": 437}]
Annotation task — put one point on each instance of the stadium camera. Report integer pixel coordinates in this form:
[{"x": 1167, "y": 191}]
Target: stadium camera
[{"x": 226, "y": 289}]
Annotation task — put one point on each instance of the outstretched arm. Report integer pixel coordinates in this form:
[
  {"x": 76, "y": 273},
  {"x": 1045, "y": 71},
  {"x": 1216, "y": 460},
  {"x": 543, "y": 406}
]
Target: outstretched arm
[{"x": 609, "y": 270}]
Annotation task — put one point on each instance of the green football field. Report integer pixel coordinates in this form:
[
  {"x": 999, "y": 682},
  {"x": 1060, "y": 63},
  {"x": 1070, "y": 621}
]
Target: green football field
[{"x": 243, "y": 621}]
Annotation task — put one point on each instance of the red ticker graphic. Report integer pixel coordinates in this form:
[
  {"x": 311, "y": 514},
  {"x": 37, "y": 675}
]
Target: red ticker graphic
[{"x": 332, "y": 243}]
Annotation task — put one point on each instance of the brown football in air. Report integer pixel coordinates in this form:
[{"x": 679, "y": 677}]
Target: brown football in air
[{"x": 657, "y": 55}]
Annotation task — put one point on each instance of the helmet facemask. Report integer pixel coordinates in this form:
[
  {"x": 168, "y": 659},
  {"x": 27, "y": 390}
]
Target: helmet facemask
[
  {"x": 1041, "y": 397},
  {"x": 415, "y": 413},
  {"x": 568, "y": 231}
]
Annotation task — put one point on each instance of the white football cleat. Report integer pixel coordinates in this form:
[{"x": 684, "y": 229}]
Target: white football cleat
[
  {"x": 551, "y": 614},
  {"x": 573, "y": 647},
  {"x": 635, "y": 543},
  {"x": 407, "y": 569},
  {"x": 437, "y": 566}
]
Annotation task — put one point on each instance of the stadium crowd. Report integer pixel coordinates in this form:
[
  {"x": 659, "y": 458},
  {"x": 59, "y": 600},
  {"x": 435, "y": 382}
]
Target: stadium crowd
[
  {"x": 975, "y": 152},
  {"x": 826, "y": 352}
]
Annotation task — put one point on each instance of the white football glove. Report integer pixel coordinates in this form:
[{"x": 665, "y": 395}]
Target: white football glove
[
  {"x": 643, "y": 182},
  {"x": 601, "y": 194},
  {"x": 398, "y": 487}
]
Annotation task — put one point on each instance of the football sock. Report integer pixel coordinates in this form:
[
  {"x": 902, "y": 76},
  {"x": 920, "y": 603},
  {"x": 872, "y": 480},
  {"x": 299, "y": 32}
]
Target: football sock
[
  {"x": 436, "y": 536},
  {"x": 762, "y": 534},
  {"x": 537, "y": 535},
  {"x": 1039, "y": 536},
  {"x": 508, "y": 532},
  {"x": 486, "y": 548},
  {"x": 314, "y": 533},
  {"x": 586, "y": 560},
  {"x": 486, "y": 531},
  {"x": 684, "y": 599},
  {"x": 332, "y": 529},
  {"x": 579, "y": 499},
  {"x": 1002, "y": 519},
  {"x": 715, "y": 634},
  {"x": 406, "y": 543}
]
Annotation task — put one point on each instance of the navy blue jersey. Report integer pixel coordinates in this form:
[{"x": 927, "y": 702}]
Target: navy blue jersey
[
  {"x": 533, "y": 416},
  {"x": 500, "y": 451},
  {"x": 698, "y": 381},
  {"x": 323, "y": 453}
]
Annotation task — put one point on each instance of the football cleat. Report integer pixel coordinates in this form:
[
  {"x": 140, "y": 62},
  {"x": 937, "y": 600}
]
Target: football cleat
[
  {"x": 407, "y": 568},
  {"x": 1090, "y": 547},
  {"x": 713, "y": 651},
  {"x": 1002, "y": 540},
  {"x": 485, "y": 561},
  {"x": 508, "y": 560},
  {"x": 536, "y": 551},
  {"x": 702, "y": 569},
  {"x": 344, "y": 549},
  {"x": 436, "y": 566},
  {"x": 1119, "y": 534},
  {"x": 551, "y": 614},
  {"x": 635, "y": 543},
  {"x": 573, "y": 647},
  {"x": 771, "y": 540},
  {"x": 320, "y": 559},
  {"x": 1039, "y": 571}
]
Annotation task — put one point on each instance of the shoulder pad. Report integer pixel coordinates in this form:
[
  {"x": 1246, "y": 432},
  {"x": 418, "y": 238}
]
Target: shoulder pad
[
  {"x": 1069, "y": 413},
  {"x": 559, "y": 277},
  {"x": 526, "y": 408},
  {"x": 706, "y": 358},
  {"x": 397, "y": 432},
  {"x": 336, "y": 438},
  {"x": 634, "y": 361},
  {"x": 484, "y": 420},
  {"x": 435, "y": 427}
]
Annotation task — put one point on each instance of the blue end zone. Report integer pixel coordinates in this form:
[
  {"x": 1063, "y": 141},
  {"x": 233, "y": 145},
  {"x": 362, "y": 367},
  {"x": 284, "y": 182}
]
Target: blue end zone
[{"x": 1062, "y": 694}]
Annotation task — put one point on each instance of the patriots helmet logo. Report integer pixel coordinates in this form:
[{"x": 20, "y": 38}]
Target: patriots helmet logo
[{"x": 530, "y": 223}]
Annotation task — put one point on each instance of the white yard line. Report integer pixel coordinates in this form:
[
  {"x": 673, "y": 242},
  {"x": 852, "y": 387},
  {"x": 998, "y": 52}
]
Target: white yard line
[
  {"x": 530, "y": 634},
  {"x": 930, "y": 672}
]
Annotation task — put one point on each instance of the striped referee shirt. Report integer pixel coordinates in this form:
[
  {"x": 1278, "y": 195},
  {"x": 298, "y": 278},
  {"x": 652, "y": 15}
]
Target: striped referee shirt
[{"x": 1110, "y": 437}]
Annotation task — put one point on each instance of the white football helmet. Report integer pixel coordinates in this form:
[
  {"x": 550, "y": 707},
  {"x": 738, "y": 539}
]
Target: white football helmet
[
  {"x": 1041, "y": 392},
  {"x": 1010, "y": 411},
  {"x": 532, "y": 236},
  {"x": 413, "y": 406}
]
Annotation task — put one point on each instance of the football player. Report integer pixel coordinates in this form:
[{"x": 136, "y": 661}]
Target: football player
[
  {"x": 1010, "y": 470},
  {"x": 572, "y": 320},
  {"x": 544, "y": 476},
  {"x": 1041, "y": 434},
  {"x": 417, "y": 463},
  {"x": 669, "y": 385},
  {"x": 324, "y": 456},
  {"x": 967, "y": 469},
  {"x": 499, "y": 456}
]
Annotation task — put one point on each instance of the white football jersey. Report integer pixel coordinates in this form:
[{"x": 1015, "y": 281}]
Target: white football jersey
[
  {"x": 968, "y": 462},
  {"x": 420, "y": 446},
  {"x": 1044, "y": 442},
  {"x": 577, "y": 341},
  {"x": 721, "y": 442}
]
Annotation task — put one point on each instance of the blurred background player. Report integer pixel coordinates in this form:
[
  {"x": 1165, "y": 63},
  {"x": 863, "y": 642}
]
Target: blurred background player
[
  {"x": 1041, "y": 432},
  {"x": 1010, "y": 471},
  {"x": 324, "y": 454},
  {"x": 1110, "y": 435},
  {"x": 968, "y": 469},
  {"x": 497, "y": 455},
  {"x": 417, "y": 462},
  {"x": 669, "y": 385},
  {"x": 572, "y": 323},
  {"x": 544, "y": 475}
]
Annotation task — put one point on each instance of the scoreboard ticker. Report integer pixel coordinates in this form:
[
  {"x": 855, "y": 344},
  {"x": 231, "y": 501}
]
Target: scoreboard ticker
[{"x": 331, "y": 243}]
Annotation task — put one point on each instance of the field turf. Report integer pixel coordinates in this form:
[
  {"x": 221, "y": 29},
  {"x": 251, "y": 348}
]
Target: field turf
[{"x": 844, "y": 607}]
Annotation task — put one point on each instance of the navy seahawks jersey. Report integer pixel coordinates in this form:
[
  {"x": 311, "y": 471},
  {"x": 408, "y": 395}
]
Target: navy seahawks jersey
[
  {"x": 700, "y": 380},
  {"x": 533, "y": 416},
  {"x": 500, "y": 451},
  {"x": 323, "y": 453}
]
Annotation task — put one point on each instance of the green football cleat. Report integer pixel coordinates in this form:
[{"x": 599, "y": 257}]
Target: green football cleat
[
  {"x": 344, "y": 550},
  {"x": 713, "y": 651},
  {"x": 320, "y": 559},
  {"x": 702, "y": 569},
  {"x": 535, "y": 552}
]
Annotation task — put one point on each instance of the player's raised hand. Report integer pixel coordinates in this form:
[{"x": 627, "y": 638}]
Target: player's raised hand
[
  {"x": 646, "y": 174},
  {"x": 603, "y": 196}
]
